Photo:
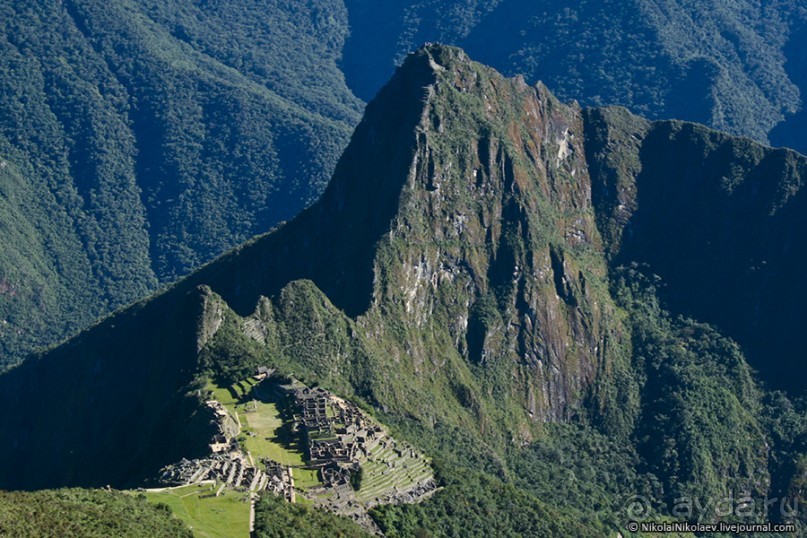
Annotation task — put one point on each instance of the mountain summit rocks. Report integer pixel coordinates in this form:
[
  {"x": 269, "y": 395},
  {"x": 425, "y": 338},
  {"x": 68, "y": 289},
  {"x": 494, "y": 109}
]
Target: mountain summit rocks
[{"x": 459, "y": 274}]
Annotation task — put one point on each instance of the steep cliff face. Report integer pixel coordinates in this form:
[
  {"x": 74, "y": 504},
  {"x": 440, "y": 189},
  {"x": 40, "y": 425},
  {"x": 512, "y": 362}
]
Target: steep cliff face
[
  {"x": 454, "y": 253},
  {"x": 461, "y": 273},
  {"x": 736, "y": 66},
  {"x": 492, "y": 254},
  {"x": 458, "y": 232},
  {"x": 719, "y": 218}
]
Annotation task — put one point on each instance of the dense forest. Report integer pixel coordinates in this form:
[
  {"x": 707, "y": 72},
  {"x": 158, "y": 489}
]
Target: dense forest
[
  {"x": 511, "y": 284},
  {"x": 140, "y": 139},
  {"x": 275, "y": 518},
  {"x": 565, "y": 323},
  {"x": 737, "y": 66},
  {"x": 76, "y": 513}
]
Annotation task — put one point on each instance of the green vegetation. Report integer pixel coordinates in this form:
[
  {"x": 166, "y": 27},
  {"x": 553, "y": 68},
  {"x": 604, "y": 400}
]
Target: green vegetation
[
  {"x": 269, "y": 440},
  {"x": 275, "y": 518},
  {"x": 76, "y": 513},
  {"x": 702, "y": 427},
  {"x": 709, "y": 62},
  {"x": 236, "y": 395},
  {"x": 529, "y": 350},
  {"x": 208, "y": 515},
  {"x": 265, "y": 432},
  {"x": 383, "y": 471},
  {"x": 478, "y": 506},
  {"x": 357, "y": 478},
  {"x": 140, "y": 139},
  {"x": 576, "y": 466},
  {"x": 742, "y": 280},
  {"x": 306, "y": 478},
  {"x": 787, "y": 423}
]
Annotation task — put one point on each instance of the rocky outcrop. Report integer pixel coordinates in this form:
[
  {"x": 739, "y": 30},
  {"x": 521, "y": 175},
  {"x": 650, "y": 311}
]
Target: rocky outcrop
[
  {"x": 495, "y": 243},
  {"x": 455, "y": 274}
]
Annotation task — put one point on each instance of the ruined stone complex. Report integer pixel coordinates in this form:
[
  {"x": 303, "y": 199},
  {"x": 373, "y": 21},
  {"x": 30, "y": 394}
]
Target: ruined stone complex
[
  {"x": 359, "y": 465},
  {"x": 336, "y": 431}
]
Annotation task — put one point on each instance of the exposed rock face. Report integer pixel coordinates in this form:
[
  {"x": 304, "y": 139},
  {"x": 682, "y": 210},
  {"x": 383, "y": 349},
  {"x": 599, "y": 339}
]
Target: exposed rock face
[
  {"x": 455, "y": 272},
  {"x": 211, "y": 319},
  {"x": 458, "y": 231},
  {"x": 494, "y": 238}
]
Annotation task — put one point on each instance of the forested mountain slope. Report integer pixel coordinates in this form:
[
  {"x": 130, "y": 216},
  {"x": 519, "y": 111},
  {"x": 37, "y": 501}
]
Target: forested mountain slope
[
  {"x": 139, "y": 139},
  {"x": 513, "y": 284},
  {"x": 74, "y": 513}
]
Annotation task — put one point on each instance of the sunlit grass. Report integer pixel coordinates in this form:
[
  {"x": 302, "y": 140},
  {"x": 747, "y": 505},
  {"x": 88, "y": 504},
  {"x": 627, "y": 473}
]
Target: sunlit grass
[{"x": 225, "y": 516}]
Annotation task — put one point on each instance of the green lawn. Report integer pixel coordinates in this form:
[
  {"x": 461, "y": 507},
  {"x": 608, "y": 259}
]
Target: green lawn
[
  {"x": 306, "y": 478},
  {"x": 270, "y": 440},
  {"x": 226, "y": 396},
  {"x": 303, "y": 501},
  {"x": 226, "y": 516}
]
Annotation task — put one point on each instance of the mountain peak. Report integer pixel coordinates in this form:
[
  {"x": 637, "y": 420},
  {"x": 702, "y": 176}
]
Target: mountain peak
[
  {"x": 439, "y": 56},
  {"x": 454, "y": 254},
  {"x": 453, "y": 212}
]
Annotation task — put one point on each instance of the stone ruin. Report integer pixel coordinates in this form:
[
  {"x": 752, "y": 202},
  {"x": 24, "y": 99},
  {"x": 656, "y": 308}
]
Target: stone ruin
[
  {"x": 280, "y": 480},
  {"x": 231, "y": 469},
  {"x": 338, "y": 437}
]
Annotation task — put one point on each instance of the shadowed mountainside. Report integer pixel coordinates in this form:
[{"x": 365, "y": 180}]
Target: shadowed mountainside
[
  {"x": 498, "y": 276},
  {"x": 140, "y": 139}
]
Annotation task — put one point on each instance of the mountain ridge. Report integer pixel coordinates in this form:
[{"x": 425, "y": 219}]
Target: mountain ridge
[
  {"x": 474, "y": 274},
  {"x": 141, "y": 142},
  {"x": 731, "y": 65},
  {"x": 180, "y": 129},
  {"x": 233, "y": 274}
]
